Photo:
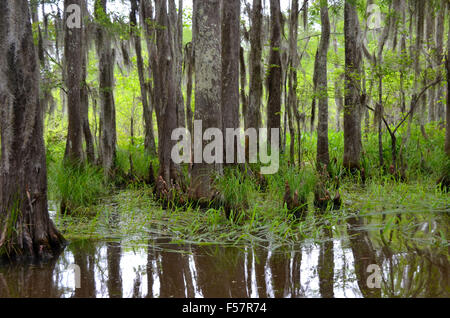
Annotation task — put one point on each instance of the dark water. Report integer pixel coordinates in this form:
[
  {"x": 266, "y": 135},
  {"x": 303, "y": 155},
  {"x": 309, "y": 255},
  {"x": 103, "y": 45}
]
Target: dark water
[{"x": 157, "y": 268}]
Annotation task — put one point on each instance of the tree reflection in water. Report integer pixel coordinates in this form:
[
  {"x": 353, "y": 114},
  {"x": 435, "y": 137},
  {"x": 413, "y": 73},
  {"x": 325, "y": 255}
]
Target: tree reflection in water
[{"x": 159, "y": 268}]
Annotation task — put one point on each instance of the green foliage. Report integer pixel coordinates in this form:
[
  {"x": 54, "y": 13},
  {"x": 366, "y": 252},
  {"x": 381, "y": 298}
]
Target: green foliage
[
  {"x": 238, "y": 189},
  {"x": 303, "y": 181},
  {"x": 76, "y": 186},
  {"x": 140, "y": 159}
]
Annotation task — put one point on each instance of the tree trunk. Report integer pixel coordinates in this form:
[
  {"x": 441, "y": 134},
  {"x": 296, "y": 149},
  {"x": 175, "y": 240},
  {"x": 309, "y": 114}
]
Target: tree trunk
[
  {"x": 106, "y": 87},
  {"x": 447, "y": 136},
  {"x": 231, "y": 39},
  {"x": 293, "y": 63},
  {"x": 147, "y": 21},
  {"x": 252, "y": 117},
  {"x": 338, "y": 98},
  {"x": 439, "y": 57},
  {"x": 88, "y": 138},
  {"x": 73, "y": 57},
  {"x": 420, "y": 8},
  {"x": 352, "y": 124},
  {"x": 274, "y": 78},
  {"x": 166, "y": 102},
  {"x": 207, "y": 50},
  {"x": 323, "y": 156},
  {"x": 431, "y": 47},
  {"x": 189, "y": 70},
  {"x": 243, "y": 83},
  {"x": 149, "y": 142},
  {"x": 25, "y": 226},
  {"x": 176, "y": 22},
  {"x": 380, "y": 106}
]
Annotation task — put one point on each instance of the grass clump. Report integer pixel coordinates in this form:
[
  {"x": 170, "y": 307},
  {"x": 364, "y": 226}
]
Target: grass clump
[
  {"x": 76, "y": 187},
  {"x": 237, "y": 189}
]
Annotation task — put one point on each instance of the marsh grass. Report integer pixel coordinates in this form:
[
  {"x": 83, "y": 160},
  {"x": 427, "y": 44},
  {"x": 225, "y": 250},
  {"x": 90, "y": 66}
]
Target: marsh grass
[
  {"x": 259, "y": 217},
  {"x": 140, "y": 160},
  {"x": 79, "y": 187}
]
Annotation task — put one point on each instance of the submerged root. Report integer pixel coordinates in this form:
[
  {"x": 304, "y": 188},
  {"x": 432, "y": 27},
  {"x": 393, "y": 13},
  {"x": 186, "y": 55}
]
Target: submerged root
[
  {"x": 296, "y": 206},
  {"x": 173, "y": 196},
  {"x": 323, "y": 199},
  {"x": 30, "y": 243}
]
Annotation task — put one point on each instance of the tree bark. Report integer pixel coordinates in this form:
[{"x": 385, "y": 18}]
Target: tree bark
[
  {"x": 73, "y": 57},
  {"x": 189, "y": 70},
  {"x": 207, "y": 50},
  {"x": 420, "y": 9},
  {"x": 176, "y": 22},
  {"x": 105, "y": 54},
  {"x": 352, "y": 123},
  {"x": 338, "y": 98},
  {"x": 146, "y": 15},
  {"x": 293, "y": 64},
  {"x": 149, "y": 142},
  {"x": 88, "y": 138},
  {"x": 166, "y": 99},
  {"x": 323, "y": 156},
  {"x": 25, "y": 226},
  {"x": 230, "y": 71},
  {"x": 243, "y": 84},
  {"x": 439, "y": 58},
  {"x": 447, "y": 136},
  {"x": 431, "y": 47},
  {"x": 274, "y": 78},
  {"x": 252, "y": 117}
]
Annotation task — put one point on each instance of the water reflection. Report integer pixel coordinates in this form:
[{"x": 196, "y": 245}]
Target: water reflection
[
  {"x": 326, "y": 266},
  {"x": 158, "y": 268},
  {"x": 363, "y": 254}
]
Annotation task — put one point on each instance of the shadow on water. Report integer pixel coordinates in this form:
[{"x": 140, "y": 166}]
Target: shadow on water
[{"x": 335, "y": 267}]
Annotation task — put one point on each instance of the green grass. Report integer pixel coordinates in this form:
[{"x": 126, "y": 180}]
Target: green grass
[
  {"x": 259, "y": 216},
  {"x": 79, "y": 187}
]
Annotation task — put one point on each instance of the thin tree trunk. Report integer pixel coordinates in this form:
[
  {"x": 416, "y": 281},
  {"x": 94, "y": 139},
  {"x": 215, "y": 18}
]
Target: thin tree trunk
[
  {"x": 149, "y": 142},
  {"x": 447, "y": 136},
  {"x": 314, "y": 94},
  {"x": 352, "y": 124},
  {"x": 253, "y": 114},
  {"x": 380, "y": 106},
  {"x": 323, "y": 156},
  {"x": 338, "y": 97},
  {"x": 439, "y": 58},
  {"x": 293, "y": 63},
  {"x": 189, "y": 70},
  {"x": 25, "y": 226},
  {"x": 176, "y": 24},
  {"x": 420, "y": 9},
  {"x": 106, "y": 87},
  {"x": 403, "y": 52},
  {"x": 243, "y": 83},
  {"x": 275, "y": 72},
  {"x": 430, "y": 33},
  {"x": 73, "y": 57},
  {"x": 88, "y": 138},
  {"x": 146, "y": 15},
  {"x": 166, "y": 105}
]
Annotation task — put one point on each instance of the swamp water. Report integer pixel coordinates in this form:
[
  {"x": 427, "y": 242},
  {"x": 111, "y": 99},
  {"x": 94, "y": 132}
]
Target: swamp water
[{"x": 346, "y": 266}]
